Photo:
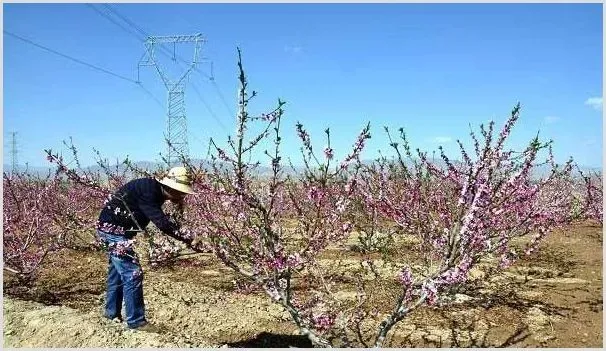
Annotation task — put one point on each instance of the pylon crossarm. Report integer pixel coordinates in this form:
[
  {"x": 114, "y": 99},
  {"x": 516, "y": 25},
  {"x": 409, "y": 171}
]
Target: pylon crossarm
[{"x": 176, "y": 38}]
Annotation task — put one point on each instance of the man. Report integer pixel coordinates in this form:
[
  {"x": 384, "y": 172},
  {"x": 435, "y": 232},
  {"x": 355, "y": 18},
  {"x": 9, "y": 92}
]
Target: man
[{"x": 126, "y": 213}]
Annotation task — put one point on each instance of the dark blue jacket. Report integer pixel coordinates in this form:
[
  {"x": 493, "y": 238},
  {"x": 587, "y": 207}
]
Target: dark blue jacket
[{"x": 144, "y": 199}]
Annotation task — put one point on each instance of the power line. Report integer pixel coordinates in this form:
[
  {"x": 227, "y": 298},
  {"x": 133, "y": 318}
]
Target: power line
[
  {"x": 109, "y": 18},
  {"x": 168, "y": 54},
  {"x": 14, "y": 150},
  {"x": 217, "y": 89},
  {"x": 86, "y": 64},
  {"x": 70, "y": 58},
  {"x": 151, "y": 95},
  {"x": 214, "y": 84},
  {"x": 179, "y": 60},
  {"x": 198, "y": 139},
  {"x": 129, "y": 22},
  {"x": 165, "y": 52},
  {"x": 208, "y": 107}
]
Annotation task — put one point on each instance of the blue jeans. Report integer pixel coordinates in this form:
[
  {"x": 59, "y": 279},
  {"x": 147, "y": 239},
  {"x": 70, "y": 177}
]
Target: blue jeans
[{"x": 124, "y": 281}]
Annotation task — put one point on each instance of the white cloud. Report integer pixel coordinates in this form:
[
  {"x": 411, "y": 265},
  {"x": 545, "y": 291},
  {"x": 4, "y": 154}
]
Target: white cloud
[
  {"x": 590, "y": 142},
  {"x": 441, "y": 139},
  {"x": 595, "y": 102},
  {"x": 293, "y": 49},
  {"x": 551, "y": 119}
]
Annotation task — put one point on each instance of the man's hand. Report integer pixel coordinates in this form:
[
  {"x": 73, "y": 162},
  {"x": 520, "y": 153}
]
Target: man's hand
[
  {"x": 184, "y": 234},
  {"x": 196, "y": 242},
  {"x": 188, "y": 236}
]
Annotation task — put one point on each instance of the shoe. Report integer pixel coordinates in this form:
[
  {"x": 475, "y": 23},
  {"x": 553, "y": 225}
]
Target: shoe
[
  {"x": 147, "y": 327},
  {"x": 117, "y": 319}
]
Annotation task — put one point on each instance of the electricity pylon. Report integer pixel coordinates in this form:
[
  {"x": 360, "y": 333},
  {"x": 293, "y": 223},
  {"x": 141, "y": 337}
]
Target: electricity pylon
[
  {"x": 14, "y": 152},
  {"x": 176, "y": 117}
]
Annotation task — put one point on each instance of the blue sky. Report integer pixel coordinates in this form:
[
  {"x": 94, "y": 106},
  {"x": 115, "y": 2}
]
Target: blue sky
[{"x": 430, "y": 68}]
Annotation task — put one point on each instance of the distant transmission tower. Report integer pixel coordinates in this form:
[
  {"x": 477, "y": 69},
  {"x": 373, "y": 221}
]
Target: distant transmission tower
[
  {"x": 14, "y": 152},
  {"x": 177, "y": 121}
]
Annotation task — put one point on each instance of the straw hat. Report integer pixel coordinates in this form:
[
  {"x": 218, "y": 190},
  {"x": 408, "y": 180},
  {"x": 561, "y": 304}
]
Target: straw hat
[{"x": 178, "y": 179}]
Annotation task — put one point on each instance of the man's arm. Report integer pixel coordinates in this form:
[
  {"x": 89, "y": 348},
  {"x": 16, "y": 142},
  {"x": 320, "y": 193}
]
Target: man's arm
[{"x": 164, "y": 222}]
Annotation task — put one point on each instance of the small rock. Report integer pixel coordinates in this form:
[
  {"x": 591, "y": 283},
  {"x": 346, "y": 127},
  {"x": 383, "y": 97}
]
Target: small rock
[
  {"x": 460, "y": 298},
  {"x": 548, "y": 338},
  {"x": 475, "y": 273}
]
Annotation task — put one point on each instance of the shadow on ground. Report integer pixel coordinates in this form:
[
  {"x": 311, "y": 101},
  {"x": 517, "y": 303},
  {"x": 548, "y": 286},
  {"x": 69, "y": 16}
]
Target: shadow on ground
[{"x": 274, "y": 340}]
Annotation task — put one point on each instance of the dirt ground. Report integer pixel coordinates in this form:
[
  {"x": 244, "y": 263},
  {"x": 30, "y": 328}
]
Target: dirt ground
[{"x": 552, "y": 299}]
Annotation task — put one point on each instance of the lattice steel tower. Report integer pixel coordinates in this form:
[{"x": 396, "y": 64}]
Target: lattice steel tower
[
  {"x": 14, "y": 152},
  {"x": 176, "y": 118}
]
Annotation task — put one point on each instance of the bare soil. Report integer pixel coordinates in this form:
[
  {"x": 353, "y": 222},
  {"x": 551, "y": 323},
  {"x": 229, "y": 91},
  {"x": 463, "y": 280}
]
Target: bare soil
[{"x": 551, "y": 299}]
